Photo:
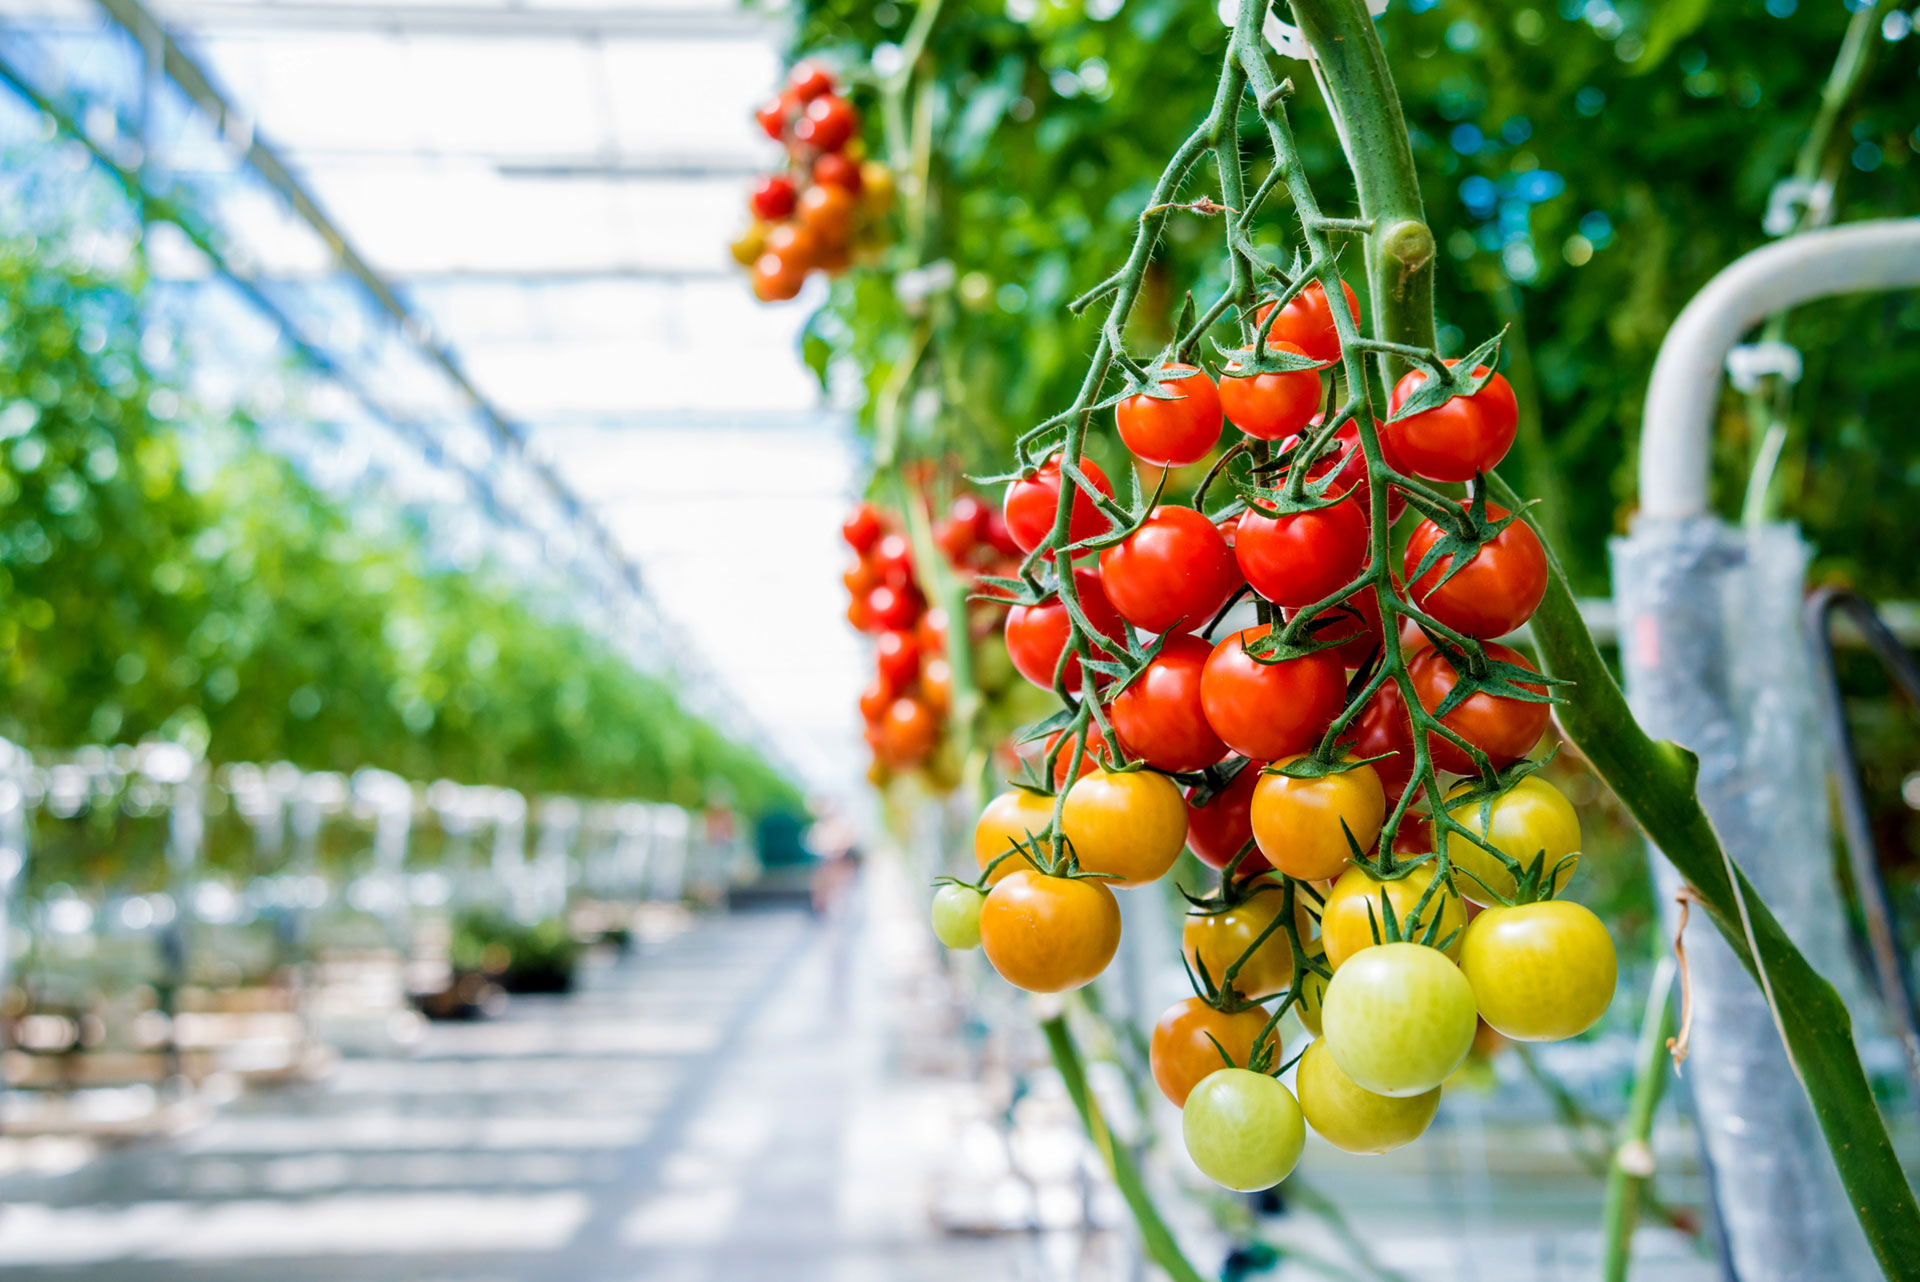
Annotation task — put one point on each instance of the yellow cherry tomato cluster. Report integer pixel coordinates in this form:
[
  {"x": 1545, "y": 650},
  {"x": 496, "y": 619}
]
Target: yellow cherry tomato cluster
[
  {"x": 1394, "y": 970},
  {"x": 827, "y": 206}
]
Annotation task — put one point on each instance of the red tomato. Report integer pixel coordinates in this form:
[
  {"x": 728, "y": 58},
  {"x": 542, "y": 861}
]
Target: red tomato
[
  {"x": 1489, "y": 596},
  {"x": 896, "y": 656},
  {"x": 1174, "y": 571},
  {"x": 892, "y": 607},
  {"x": 827, "y": 212},
  {"x": 829, "y": 122},
  {"x": 777, "y": 277},
  {"x": 1307, "y": 322},
  {"x": 860, "y": 614},
  {"x": 772, "y": 116},
  {"x": 1159, "y": 717},
  {"x": 807, "y": 81},
  {"x": 995, "y": 534},
  {"x": 1460, "y": 439},
  {"x": 860, "y": 578},
  {"x": 1036, "y": 634},
  {"x": 893, "y": 559},
  {"x": 772, "y": 198},
  {"x": 1355, "y": 619},
  {"x": 931, "y": 632},
  {"x": 874, "y": 700},
  {"x": 1032, "y": 501},
  {"x": 835, "y": 170},
  {"x": 1504, "y": 729},
  {"x": 1351, "y": 458},
  {"x": 1383, "y": 727},
  {"x": 1302, "y": 557},
  {"x": 1217, "y": 831},
  {"x": 793, "y": 242},
  {"x": 1270, "y": 710},
  {"x": 1094, "y": 758},
  {"x": 863, "y": 528},
  {"x": 1270, "y": 406},
  {"x": 1172, "y": 433}
]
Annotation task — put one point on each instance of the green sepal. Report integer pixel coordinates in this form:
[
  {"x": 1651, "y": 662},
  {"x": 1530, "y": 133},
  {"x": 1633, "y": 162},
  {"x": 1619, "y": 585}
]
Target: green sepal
[{"x": 1457, "y": 380}]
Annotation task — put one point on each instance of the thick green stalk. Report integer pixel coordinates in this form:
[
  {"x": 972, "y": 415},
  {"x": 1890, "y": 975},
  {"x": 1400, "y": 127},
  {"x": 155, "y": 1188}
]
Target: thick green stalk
[
  {"x": 1632, "y": 1167},
  {"x": 1154, "y": 1233},
  {"x": 1655, "y": 781},
  {"x": 1400, "y": 247}
]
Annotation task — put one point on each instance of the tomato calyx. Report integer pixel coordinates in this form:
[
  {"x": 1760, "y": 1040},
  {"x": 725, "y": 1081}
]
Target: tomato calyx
[
  {"x": 1463, "y": 532},
  {"x": 1534, "y": 881},
  {"x": 1211, "y": 782},
  {"x": 1477, "y": 672},
  {"x": 1390, "y": 927},
  {"x": 1445, "y": 381},
  {"x": 1314, "y": 766}
]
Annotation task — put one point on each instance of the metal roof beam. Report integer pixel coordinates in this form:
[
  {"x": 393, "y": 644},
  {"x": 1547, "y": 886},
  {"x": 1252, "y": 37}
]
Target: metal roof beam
[{"x": 470, "y": 20}]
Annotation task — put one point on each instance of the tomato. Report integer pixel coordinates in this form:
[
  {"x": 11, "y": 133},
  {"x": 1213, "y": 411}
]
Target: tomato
[
  {"x": 1130, "y": 825},
  {"x": 892, "y": 559},
  {"x": 808, "y": 81},
  {"x": 835, "y": 170},
  {"x": 874, "y": 700},
  {"x": 1217, "y": 941},
  {"x": 1526, "y": 820},
  {"x": 828, "y": 123},
  {"x": 893, "y": 607},
  {"x": 1383, "y": 727},
  {"x": 1032, "y": 502},
  {"x": 908, "y": 732},
  {"x": 1091, "y": 759},
  {"x": 1302, "y": 824},
  {"x": 860, "y": 578},
  {"x": 794, "y": 243},
  {"x": 876, "y": 186},
  {"x": 1174, "y": 572},
  {"x": 1049, "y": 934},
  {"x": 863, "y": 527},
  {"x": 860, "y": 614},
  {"x": 1176, "y": 431},
  {"x": 1460, "y": 439},
  {"x": 931, "y": 631},
  {"x": 1492, "y": 594},
  {"x": 896, "y": 655},
  {"x": 827, "y": 212},
  {"x": 1036, "y": 634},
  {"x": 1307, "y": 322},
  {"x": 1270, "y": 406},
  {"x": 1217, "y": 831},
  {"x": 1350, "y": 457},
  {"x": 1013, "y": 817},
  {"x": 1352, "y": 912},
  {"x": 1180, "y": 1054},
  {"x": 1159, "y": 717},
  {"x": 956, "y": 916},
  {"x": 1270, "y": 710},
  {"x": 1350, "y": 1117},
  {"x": 1302, "y": 557},
  {"x": 772, "y": 197},
  {"x": 1243, "y": 1129},
  {"x": 1398, "y": 1019},
  {"x": 995, "y": 534},
  {"x": 1505, "y": 729},
  {"x": 1540, "y": 972},
  {"x": 772, "y": 115},
  {"x": 750, "y": 244},
  {"x": 936, "y": 685},
  {"x": 778, "y": 277}
]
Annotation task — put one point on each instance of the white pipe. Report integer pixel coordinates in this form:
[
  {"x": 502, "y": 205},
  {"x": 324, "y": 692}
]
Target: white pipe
[{"x": 1675, "y": 438}]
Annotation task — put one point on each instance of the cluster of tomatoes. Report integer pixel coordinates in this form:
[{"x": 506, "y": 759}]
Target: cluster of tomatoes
[
  {"x": 825, "y": 204},
  {"x": 1391, "y": 965}
]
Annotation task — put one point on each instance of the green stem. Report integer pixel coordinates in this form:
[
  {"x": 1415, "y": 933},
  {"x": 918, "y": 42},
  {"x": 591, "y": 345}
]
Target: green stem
[
  {"x": 1655, "y": 781},
  {"x": 1400, "y": 248},
  {"x": 1155, "y": 1236},
  {"x": 1631, "y": 1170}
]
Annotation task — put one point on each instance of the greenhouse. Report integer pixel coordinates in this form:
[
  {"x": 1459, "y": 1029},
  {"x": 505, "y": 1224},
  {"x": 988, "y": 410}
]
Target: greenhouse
[{"x": 905, "y": 641}]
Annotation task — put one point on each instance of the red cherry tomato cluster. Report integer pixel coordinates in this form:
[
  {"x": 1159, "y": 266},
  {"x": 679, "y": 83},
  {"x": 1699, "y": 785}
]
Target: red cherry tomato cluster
[
  {"x": 826, "y": 206},
  {"x": 906, "y": 706}
]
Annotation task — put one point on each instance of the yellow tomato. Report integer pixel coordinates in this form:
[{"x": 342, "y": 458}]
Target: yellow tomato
[
  {"x": 1349, "y": 1116},
  {"x": 1049, "y": 934},
  {"x": 1216, "y": 941},
  {"x": 1527, "y": 819},
  {"x": 1540, "y": 972},
  {"x": 1010, "y": 817},
  {"x": 1301, "y": 825},
  {"x": 1347, "y": 927},
  {"x": 1129, "y": 824},
  {"x": 1313, "y": 991}
]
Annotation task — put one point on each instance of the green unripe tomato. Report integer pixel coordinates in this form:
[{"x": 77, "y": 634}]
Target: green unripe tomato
[
  {"x": 956, "y": 916},
  {"x": 1399, "y": 1018},
  {"x": 1243, "y": 1129},
  {"x": 1355, "y": 1119}
]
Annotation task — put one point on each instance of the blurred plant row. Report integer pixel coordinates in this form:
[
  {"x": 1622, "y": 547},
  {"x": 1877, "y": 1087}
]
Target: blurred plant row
[{"x": 164, "y": 575}]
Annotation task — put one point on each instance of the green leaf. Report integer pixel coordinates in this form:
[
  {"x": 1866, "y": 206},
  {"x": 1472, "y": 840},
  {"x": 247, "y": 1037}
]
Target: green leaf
[{"x": 1672, "y": 22}]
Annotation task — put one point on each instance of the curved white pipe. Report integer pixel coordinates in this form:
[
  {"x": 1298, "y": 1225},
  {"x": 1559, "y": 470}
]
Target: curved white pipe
[{"x": 1675, "y": 438}]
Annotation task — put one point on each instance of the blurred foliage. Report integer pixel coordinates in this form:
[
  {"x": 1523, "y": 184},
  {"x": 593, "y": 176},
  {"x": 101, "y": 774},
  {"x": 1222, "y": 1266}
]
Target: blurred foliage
[
  {"x": 163, "y": 575},
  {"x": 1586, "y": 168},
  {"x": 537, "y": 958}
]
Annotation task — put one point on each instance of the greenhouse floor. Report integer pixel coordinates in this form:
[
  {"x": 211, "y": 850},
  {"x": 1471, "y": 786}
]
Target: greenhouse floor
[{"x": 753, "y": 1098}]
